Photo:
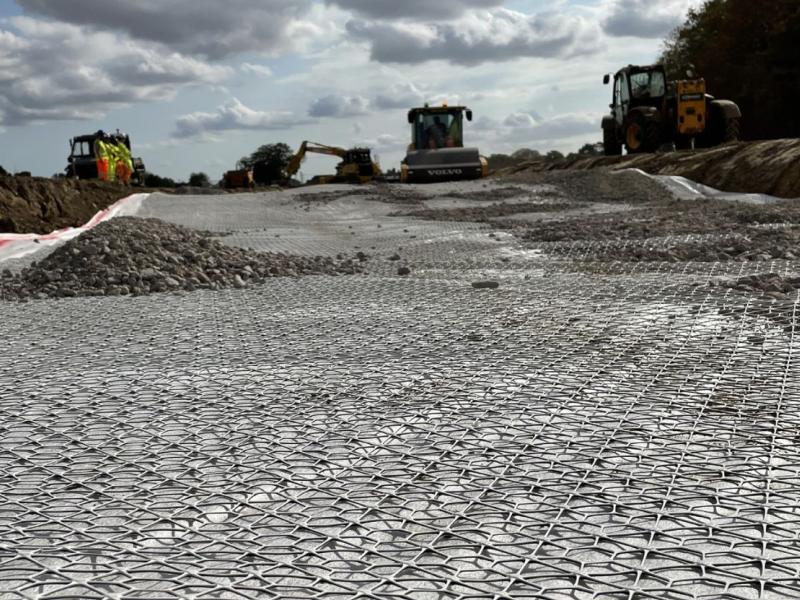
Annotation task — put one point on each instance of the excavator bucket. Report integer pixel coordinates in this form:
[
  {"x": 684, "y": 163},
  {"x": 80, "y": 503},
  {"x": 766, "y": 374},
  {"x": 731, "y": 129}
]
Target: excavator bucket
[{"x": 445, "y": 164}]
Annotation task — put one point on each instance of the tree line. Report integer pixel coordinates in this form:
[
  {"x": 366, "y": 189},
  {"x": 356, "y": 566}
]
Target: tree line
[
  {"x": 269, "y": 161},
  {"x": 749, "y": 52}
]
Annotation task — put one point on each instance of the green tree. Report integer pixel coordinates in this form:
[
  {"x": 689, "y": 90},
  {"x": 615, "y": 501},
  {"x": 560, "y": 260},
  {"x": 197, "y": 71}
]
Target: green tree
[
  {"x": 554, "y": 156},
  {"x": 199, "y": 180},
  {"x": 268, "y": 162},
  {"x": 154, "y": 181},
  {"x": 526, "y": 154},
  {"x": 748, "y": 52},
  {"x": 591, "y": 149},
  {"x": 501, "y": 161}
]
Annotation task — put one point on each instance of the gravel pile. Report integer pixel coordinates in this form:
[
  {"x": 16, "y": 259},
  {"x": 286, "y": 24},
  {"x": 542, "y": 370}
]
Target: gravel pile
[
  {"x": 676, "y": 217},
  {"x": 133, "y": 256},
  {"x": 767, "y": 284},
  {"x": 396, "y": 194},
  {"x": 753, "y": 245},
  {"x": 484, "y": 214},
  {"x": 600, "y": 186},
  {"x": 494, "y": 194}
]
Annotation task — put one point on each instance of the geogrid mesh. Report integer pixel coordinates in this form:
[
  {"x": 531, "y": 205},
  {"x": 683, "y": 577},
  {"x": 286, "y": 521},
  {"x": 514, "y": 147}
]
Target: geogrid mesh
[{"x": 586, "y": 434}]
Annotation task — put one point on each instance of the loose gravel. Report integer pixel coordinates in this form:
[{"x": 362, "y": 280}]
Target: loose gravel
[
  {"x": 483, "y": 214},
  {"x": 771, "y": 285},
  {"x": 134, "y": 256},
  {"x": 501, "y": 193},
  {"x": 753, "y": 244},
  {"x": 600, "y": 186},
  {"x": 675, "y": 217}
]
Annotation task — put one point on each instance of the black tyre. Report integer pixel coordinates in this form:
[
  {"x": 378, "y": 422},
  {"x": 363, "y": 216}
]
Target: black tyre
[
  {"x": 720, "y": 129},
  {"x": 611, "y": 145},
  {"x": 641, "y": 135}
]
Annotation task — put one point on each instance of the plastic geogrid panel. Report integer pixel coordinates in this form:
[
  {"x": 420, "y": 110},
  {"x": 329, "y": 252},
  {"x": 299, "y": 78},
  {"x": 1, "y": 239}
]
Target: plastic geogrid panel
[{"x": 574, "y": 434}]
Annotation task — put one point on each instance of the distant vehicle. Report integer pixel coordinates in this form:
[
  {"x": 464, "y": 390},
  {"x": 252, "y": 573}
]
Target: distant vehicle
[
  {"x": 104, "y": 156},
  {"x": 437, "y": 151},
  {"x": 356, "y": 165},
  {"x": 647, "y": 112},
  {"x": 243, "y": 178}
]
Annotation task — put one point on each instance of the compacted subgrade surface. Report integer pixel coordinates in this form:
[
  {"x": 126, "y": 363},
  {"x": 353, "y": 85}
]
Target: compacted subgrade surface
[{"x": 583, "y": 429}]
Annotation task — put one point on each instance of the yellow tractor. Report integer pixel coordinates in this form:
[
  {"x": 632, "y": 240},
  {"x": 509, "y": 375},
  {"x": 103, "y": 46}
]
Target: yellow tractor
[
  {"x": 356, "y": 164},
  {"x": 647, "y": 112},
  {"x": 437, "y": 151}
]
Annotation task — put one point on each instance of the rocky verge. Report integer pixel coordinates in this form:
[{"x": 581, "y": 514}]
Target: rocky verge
[{"x": 133, "y": 256}]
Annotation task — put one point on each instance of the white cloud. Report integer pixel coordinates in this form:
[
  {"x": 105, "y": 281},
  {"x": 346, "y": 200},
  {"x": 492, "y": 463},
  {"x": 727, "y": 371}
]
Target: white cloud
[
  {"x": 479, "y": 37},
  {"x": 400, "y": 95},
  {"x": 530, "y": 128},
  {"x": 416, "y": 10},
  {"x": 57, "y": 71},
  {"x": 198, "y": 27},
  {"x": 232, "y": 116},
  {"x": 335, "y": 105},
  {"x": 386, "y": 142},
  {"x": 644, "y": 18},
  {"x": 259, "y": 70}
]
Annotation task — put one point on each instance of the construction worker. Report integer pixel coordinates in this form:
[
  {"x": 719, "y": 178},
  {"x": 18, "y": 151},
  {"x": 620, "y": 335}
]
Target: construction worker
[
  {"x": 124, "y": 163},
  {"x": 103, "y": 158},
  {"x": 437, "y": 134}
]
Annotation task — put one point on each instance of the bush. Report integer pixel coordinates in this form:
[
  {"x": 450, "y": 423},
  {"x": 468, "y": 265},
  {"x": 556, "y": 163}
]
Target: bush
[
  {"x": 268, "y": 162},
  {"x": 199, "y": 180}
]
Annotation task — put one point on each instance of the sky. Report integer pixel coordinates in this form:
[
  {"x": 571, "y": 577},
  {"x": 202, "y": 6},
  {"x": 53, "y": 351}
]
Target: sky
[{"x": 200, "y": 83}]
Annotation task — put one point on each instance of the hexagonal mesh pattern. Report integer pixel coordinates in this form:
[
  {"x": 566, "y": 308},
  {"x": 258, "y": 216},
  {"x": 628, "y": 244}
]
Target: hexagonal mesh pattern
[{"x": 615, "y": 434}]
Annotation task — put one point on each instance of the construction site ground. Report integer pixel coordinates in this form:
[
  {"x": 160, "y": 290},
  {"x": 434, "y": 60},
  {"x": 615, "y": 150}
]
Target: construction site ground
[{"x": 616, "y": 419}]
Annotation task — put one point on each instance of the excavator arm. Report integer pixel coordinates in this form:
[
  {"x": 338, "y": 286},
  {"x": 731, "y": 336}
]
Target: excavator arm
[{"x": 305, "y": 147}]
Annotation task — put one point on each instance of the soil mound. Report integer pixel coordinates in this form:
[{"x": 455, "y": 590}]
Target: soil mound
[
  {"x": 133, "y": 256},
  {"x": 39, "y": 205},
  {"x": 768, "y": 167}
]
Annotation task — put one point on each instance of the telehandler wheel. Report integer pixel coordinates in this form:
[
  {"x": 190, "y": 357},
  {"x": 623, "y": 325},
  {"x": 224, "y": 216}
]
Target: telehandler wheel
[
  {"x": 611, "y": 145},
  {"x": 641, "y": 135}
]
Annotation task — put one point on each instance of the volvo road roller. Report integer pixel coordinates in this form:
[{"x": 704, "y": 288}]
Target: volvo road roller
[{"x": 437, "y": 151}]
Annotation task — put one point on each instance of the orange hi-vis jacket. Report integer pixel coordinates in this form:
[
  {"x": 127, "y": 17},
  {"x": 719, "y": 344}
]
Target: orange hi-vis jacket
[{"x": 103, "y": 161}]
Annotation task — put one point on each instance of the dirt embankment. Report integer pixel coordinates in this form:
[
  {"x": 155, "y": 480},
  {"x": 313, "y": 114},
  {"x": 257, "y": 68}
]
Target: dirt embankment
[
  {"x": 39, "y": 205},
  {"x": 770, "y": 167}
]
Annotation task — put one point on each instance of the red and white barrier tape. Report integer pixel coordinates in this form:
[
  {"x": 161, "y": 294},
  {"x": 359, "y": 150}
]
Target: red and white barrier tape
[{"x": 17, "y": 245}]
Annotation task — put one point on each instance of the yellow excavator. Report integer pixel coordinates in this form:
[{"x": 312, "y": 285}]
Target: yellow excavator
[{"x": 356, "y": 165}]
